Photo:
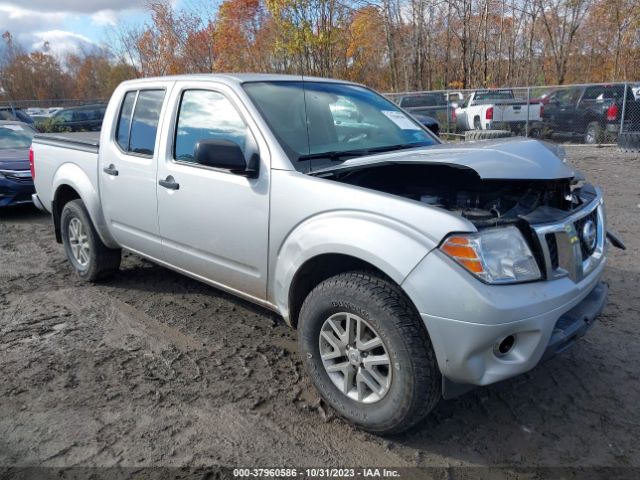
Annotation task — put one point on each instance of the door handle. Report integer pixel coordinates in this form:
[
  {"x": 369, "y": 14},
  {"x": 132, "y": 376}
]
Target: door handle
[
  {"x": 110, "y": 170},
  {"x": 169, "y": 183}
]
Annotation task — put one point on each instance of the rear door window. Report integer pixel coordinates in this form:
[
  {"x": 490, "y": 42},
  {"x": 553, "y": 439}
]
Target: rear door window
[
  {"x": 144, "y": 123},
  {"x": 138, "y": 121}
]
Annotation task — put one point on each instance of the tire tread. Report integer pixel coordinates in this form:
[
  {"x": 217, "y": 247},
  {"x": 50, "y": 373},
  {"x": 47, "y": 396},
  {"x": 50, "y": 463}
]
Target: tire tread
[{"x": 427, "y": 391}]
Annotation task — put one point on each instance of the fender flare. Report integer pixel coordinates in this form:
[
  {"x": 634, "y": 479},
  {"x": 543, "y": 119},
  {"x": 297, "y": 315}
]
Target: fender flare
[
  {"x": 71, "y": 175},
  {"x": 393, "y": 247}
]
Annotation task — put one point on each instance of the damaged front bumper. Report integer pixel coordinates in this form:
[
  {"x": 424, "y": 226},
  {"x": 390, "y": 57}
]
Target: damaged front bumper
[{"x": 468, "y": 320}]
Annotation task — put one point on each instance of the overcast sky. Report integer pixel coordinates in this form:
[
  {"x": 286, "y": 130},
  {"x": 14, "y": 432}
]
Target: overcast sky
[{"x": 68, "y": 25}]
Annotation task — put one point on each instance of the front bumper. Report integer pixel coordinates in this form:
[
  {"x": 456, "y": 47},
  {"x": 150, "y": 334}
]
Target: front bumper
[{"x": 466, "y": 318}]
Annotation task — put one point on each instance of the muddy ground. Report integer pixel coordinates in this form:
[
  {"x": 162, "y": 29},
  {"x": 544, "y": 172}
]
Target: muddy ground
[{"x": 153, "y": 369}]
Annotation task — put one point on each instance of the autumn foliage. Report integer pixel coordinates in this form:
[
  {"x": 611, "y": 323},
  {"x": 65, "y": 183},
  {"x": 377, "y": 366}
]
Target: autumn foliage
[{"x": 391, "y": 45}]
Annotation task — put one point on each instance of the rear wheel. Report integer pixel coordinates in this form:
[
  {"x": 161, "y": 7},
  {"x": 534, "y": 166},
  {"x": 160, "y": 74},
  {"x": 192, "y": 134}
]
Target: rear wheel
[
  {"x": 91, "y": 259},
  {"x": 368, "y": 353},
  {"x": 593, "y": 135},
  {"x": 476, "y": 124}
]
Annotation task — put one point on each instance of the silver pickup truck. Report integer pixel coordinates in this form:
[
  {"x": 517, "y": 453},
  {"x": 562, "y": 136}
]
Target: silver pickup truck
[{"x": 412, "y": 269}]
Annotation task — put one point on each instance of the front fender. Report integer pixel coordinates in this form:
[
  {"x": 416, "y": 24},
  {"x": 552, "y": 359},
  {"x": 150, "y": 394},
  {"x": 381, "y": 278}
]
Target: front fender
[
  {"x": 75, "y": 177},
  {"x": 393, "y": 247}
]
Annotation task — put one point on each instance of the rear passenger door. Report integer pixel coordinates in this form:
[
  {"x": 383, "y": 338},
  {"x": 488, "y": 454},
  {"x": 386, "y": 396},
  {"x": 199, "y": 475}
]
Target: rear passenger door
[
  {"x": 214, "y": 223},
  {"x": 127, "y": 170}
]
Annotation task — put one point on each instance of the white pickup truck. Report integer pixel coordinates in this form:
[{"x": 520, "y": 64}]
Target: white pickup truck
[
  {"x": 412, "y": 269},
  {"x": 497, "y": 109}
]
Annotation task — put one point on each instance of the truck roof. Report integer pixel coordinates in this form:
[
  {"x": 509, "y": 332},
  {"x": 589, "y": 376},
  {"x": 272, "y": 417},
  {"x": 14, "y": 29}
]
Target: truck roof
[{"x": 238, "y": 78}]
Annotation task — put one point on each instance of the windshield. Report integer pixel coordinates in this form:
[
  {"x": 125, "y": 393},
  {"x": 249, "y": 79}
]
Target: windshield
[
  {"x": 327, "y": 122},
  {"x": 14, "y": 135}
]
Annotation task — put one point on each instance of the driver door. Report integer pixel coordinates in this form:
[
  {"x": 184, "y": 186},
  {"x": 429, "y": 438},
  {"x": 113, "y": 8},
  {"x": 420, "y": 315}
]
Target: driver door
[{"x": 213, "y": 223}]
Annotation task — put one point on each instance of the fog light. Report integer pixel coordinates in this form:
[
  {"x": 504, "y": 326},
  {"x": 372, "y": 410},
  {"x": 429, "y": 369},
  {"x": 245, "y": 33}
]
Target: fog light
[{"x": 504, "y": 346}]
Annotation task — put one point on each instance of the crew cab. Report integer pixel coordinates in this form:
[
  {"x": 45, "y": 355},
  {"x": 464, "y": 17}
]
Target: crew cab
[
  {"x": 497, "y": 109},
  {"x": 412, "y": 269},
  {"x": 591, "y": 112}
]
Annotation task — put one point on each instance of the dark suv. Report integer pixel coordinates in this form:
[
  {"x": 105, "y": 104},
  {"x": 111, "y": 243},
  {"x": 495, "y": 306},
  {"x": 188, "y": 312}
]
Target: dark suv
[{"x": 78, "y": 119}]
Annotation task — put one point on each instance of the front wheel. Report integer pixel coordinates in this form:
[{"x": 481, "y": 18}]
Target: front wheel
[
  {"x": 368, "y": 353},
  {"x": 91, "y": 259}
]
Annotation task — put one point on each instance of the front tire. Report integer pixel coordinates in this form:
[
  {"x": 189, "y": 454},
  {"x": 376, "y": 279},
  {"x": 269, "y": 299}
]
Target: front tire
[
  {"x": 368, "y": 352},
  {"x": 90, "y": 258}
]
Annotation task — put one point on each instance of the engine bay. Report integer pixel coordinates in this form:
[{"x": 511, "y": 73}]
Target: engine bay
[{"x": 460, "y": 190}]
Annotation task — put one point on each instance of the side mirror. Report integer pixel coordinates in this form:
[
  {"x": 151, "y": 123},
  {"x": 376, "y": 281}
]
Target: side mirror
[{"x": 227, "y": 155}]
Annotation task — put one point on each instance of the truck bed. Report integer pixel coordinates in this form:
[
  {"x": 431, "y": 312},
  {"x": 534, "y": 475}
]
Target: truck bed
[{"x": 83, "y": 141}]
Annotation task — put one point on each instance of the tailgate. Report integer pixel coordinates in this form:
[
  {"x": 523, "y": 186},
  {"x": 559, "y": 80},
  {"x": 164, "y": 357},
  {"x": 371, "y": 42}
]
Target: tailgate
[{"x": 516, "y": 112}]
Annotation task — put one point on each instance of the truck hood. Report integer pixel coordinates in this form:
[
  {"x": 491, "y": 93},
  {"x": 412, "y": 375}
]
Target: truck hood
[
  {"x": 14, "y": 159},
  {"x": 510, "y": 158}
]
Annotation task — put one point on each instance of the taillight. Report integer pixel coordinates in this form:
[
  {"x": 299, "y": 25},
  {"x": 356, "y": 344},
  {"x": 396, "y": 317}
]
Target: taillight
[
  {"x": 32, "y": 162},
  {"x": 541, "y": 110},
  {"x": 489, "y": 114},
  {"x": 612, "y": 113},
  {"x": 454, "y": 115}
]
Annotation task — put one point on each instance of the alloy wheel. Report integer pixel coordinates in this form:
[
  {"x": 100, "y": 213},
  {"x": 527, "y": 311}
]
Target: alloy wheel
[{"x": 355, "y": 357}]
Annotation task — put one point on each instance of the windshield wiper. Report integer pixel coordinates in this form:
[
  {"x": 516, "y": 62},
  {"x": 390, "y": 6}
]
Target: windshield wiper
[{"x": 340, "y": 155}]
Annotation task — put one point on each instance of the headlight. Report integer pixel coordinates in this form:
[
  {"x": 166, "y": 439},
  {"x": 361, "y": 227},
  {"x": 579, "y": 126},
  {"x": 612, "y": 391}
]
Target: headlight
[{"x": 497, "y": 255}]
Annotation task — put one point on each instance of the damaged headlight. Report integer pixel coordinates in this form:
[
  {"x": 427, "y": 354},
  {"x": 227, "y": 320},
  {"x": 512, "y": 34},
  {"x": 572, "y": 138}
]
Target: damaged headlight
[{"x": 497, "y": 255}]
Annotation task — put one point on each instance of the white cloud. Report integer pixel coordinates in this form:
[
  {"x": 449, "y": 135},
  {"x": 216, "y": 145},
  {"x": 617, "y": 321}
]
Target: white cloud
[
  {"x": 61, "y": 42},
  {"x": 32, "y": 22},
  {"x": 105, "y": 18},
  {"x": 80, "y": 6},
  {"x": 19, "y": 20}
]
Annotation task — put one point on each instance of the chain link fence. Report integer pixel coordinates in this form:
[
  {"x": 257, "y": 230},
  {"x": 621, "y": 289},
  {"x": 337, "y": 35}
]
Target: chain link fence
[
  {"x": 50, "y": 103},
  {"x": 595, "y": 114}
]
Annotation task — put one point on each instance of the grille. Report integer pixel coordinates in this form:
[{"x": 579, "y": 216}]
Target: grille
[
  {"x": 552, "y": 244},
  {"x": 586, "y": 250}
]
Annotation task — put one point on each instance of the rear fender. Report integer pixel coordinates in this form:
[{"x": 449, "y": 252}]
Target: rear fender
[{"x": 72, "y": 175}]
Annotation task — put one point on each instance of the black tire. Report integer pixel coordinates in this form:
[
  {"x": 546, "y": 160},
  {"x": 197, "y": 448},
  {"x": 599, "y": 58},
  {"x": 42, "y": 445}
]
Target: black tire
[
  {"x": 471, "y": 135},
  {"x": 101, "y": 261},
  {"x": 629, "y": 142},
  {"x": 535, "y": 132},
  {"x": 593, "y": 134},
  {"x": 415, "y": 382},
  {"x": 476, "y": 123}
]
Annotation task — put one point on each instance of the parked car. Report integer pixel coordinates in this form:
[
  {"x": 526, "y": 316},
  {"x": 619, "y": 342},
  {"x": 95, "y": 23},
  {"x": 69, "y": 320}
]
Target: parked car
[
  {"x": 591, "y": 112},
  {"x": 10, "y": 113},
  {"x": 53, "y": 110},
  {"x": 16, "y": 184},
  {"x": 34, "y": 111},
  {"x": 497, "y": 109},
  {"x": 411, "y": 268},
  {"x": 431, "y": 104},
  {"x": 77, "y": 119}
]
